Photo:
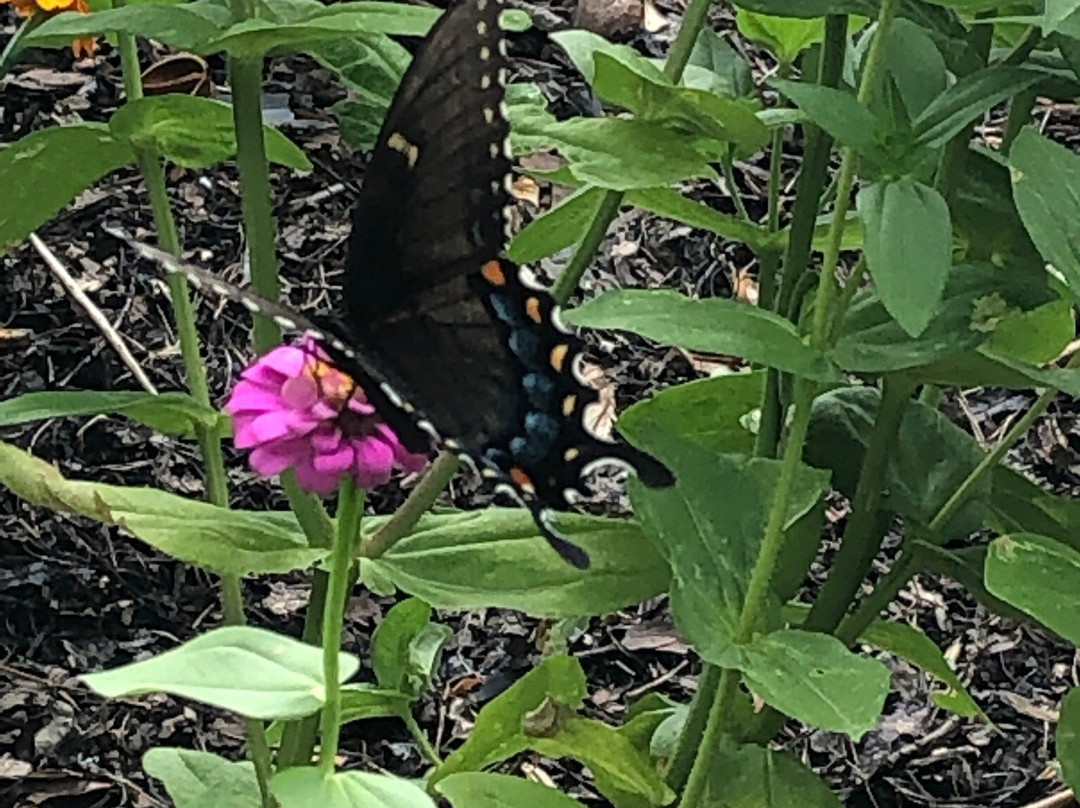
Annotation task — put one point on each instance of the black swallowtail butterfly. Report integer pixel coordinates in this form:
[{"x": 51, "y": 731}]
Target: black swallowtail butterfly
[{"x": 456, "y": 347}]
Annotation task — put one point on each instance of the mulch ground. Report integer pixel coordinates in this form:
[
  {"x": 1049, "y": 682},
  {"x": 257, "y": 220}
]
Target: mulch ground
[{"x": 76, "y": 596}]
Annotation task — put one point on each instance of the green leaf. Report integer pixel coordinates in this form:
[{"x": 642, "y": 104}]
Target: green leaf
[
  {"x": 250, "y": 671},
  {"x": 498, "y": 732},
  {"x": 44, "y": 171},
  {"x": 710, "y": 525},
  {"x": 1045, "y": 178},
  {"x": 714, "y": 325},
  {"x": 966, "y": 100},
  {"x": 178, "y": 25},
  {"x": 717, "y": 67},
  {"x": 194, "y": 132},
  {"x": 406, "y": 646},
  {"x": 621, "y": 154},
  {"x": 815, "y": 679},
  {"x": 711, "y": 413},
  {"x": 361, "y": 701},
  {"x": 1068, "y": 739},
  {"x": 966, "y": 566},
  {"x": 307, "y": 787},
  {"x": 977, "y": 298},
  {"x": 908, "y": 243},
  {"x": 753, "y": 777},
  {"x": 218, "y": 539},
  {"x": 786, "y": 37},
  {"x": 909, "y": 643},
  {"x": 202, "y": 780},
  {"x": 1039, "y": 576},
  {"x": 932, "y": 458},
  {"x": 170, "y": 413},
  {"x": 496, "y": 558},
  {"x": 673, "y": 205},
  {"x": 558, "y": 228},
  {"x": 1019, "y": 505},
  {"x": 916, "y": 66},
  {"x": 1034, "y": 336},
  {"x": 480, "y": 790},
  {"x": 838, "y": 112},
  {"x": 371, "y": 67},
  {"x": 682, "y": 108},
  {"x": 582, "y": 46}
]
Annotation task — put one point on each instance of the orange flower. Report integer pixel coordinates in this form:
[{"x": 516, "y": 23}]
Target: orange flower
[{"x": 83, "y": 46}]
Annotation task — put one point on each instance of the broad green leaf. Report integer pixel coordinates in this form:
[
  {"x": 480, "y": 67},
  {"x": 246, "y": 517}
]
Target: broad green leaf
[
  {"x": 482, "y": 790},
  {"x": 178, "y": 25},
  {"x": 710, "y": 525},
  {"x": 558, "y": 228},
  {"x": 194, "y": 132},
  {"x": 717, "y": 67},
  {"x": 674, "y": 205},
  {"x": 498, "y": 732},
  {"x": 582, "y": 46},
  {"x": 711, "y": 413},
  {"x": 966, "y": 566},
  {"x": 915, "y": 65},
  {"x": 621, "y": 154},
  {"x": 45, "y": 170},
  {"x": 907, "y": 236},
  {"x": 496, "y": 558},
  {"x": 786, "y": 37},
  {"x": 618, "y": 767},
  {"x": 815, "y": 679},
  {"x": 250, "y": 671},
  {"x": 1019, "y": 505},
  {"x": 202, "y": 780},
  {"x": 307, "y": 787},
  {"x": 683, "y": 108},
  {"x": 405, "y": 647},
  {"x": 977, "y": 298},
  {"x": 171, "y": 413},
  {"x": 1039, "y": 576},
  {"x": 1034, "y": 336},
  {"x": 932, "y": 457},
  {"x": 713, "y": 325},
  {"x": 371, "y": 67},
  {"x": 909, "y": 643},
  {"x": 838, "y": 112},
  {"x": 966, "y": 100},
  {"x": 225, "y": 541},
  {"x": 1045, "y": 178},
  {"x": 362, "y": 701},
  {"x": 1068, "y": 738},
  {"x": 754, "y": 777}
]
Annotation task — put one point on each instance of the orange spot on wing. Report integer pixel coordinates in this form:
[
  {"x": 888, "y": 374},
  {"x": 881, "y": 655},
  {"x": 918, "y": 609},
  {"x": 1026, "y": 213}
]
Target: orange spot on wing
[
  {"x": 558, "y": 356},
  {"x": 521, "y": 479},
  {"x": 568, "y": 405},
  {"x": 532, "y": 308},
  {"x": 493, "y": 273}
]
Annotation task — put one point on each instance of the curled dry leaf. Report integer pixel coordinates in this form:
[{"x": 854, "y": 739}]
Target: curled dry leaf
[{"x": 183, "y": 73}]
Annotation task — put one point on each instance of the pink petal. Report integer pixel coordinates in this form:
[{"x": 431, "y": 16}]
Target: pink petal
[
  {"x": 408, "y": 461},
  {"x": 243, "y": 433},
  {"x": 249, "y": 397},
  {"x": 336, "y": 462},
  {"x": 273, "y": 458},
  {"x": 300, "y": 392},
  {"x": 326, "y": 438},
  {"x": 374, "y": 461},
  {"x": 358, "y": 404},
  {"x": 311, "y": 479}
]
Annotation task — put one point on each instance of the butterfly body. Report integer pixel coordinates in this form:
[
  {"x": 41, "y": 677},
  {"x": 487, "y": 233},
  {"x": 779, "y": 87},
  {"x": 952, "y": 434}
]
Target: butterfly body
[{"x": 458, "y": 348}]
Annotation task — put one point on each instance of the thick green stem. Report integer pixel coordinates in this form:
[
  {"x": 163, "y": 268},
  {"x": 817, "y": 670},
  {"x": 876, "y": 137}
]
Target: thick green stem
[
  {"x": 861, "y": 540},
  {"x": 418, "y": 503},
  {"x": 905, "y": 567},
  {"x": 245, "y": 80},
  {"x": 350, "y": 510},
  {"x": 694, "y": 728},
  {"x": 567, "y": 282},
  {"x": 1019, "y": 116},
  {"x": 1025, "y": 48}
]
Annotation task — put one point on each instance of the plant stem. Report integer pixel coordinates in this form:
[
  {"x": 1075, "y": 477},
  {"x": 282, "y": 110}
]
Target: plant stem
[
  {"x": 861, "y": 542},
  {"x": 14, "y": 45},
  {"x": 350, "y": 510},
  {"x": 1025, "y": 48},
  {"x": 430, "y": 752},
  {"x": 245, "y": 80},
  {"x": 694, "y": 728},
  {"x": 727, "y": 166},
  {"x": 905, "y": 567},
  {"x": 954, "y": 158},
  {"x": 678, "y": 56},
  {"x": 1020, "y": 110}
]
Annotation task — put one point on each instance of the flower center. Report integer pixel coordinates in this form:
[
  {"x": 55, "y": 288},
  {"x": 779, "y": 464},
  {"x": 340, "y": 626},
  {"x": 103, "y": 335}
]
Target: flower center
[{"x": 339, "y": 390}]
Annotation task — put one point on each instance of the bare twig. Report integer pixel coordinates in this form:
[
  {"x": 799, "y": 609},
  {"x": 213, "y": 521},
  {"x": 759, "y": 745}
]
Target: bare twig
[
  {"x": 1063, "y": 799},
  {"x": 59, "y": 271}
]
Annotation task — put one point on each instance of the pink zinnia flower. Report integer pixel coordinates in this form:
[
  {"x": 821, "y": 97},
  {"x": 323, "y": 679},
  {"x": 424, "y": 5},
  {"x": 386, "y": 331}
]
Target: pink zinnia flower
[{"x": 296, "y": 410}]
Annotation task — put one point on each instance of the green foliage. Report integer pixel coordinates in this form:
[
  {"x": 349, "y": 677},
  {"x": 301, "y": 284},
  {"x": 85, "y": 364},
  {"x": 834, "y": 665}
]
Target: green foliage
[
  {"x": 747, "y": 776},
  {"x": 249, "y": 671},
  {"x": 1068, "y": 738},
  {"x": 307, "y": 785},
  {"x": 1040, "y": 576},
  {"x": 203, "y": 780},
  {"x": 479, "y": 790},
  {"x": 169, "y": 413},
  {"x": 406, "y": 646}
]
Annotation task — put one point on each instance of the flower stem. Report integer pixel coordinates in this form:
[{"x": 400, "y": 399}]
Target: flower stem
[
  {"x": 567, "y": 282},
  {"x": 350, "y": 511},
  {"x": 430, "y": 752},
  {"x": 418, "y": 503},
  {"x": 861, "y": 542},
  {"x": 14, "y": 45},
  {"x": 727, "y": 165}
]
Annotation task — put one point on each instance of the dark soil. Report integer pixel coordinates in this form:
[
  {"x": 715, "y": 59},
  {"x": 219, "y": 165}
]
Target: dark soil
[{"x": 76, "y": 596}]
